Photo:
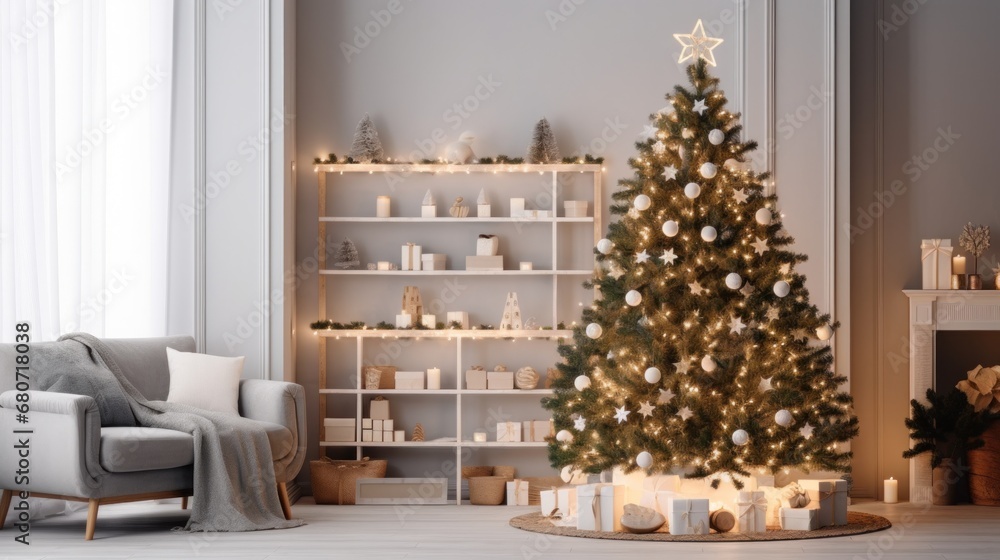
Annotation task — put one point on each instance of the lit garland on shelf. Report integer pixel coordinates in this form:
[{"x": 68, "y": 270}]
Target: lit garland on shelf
[
  {"x": 499, "y": 160},
  {"x": 702, "y": 313}
]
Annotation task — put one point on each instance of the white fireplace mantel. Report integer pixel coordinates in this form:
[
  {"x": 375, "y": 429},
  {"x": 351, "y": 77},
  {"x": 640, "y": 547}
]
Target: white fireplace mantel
[{"x": 940, "y": 310}]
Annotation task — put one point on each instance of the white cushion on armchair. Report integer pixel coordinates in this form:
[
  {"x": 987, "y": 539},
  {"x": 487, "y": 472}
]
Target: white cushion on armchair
[{"x": 206, "y": 382}]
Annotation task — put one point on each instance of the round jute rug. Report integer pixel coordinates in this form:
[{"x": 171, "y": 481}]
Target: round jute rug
[{"x": 857, "y": 523}]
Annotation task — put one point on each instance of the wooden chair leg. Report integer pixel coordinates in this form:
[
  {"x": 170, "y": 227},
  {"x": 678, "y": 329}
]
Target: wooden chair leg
[
  {"x": 184, "y": 502},
  {"x": 286, "y": 506},
  {"x": 92, "y": 519},
  {"x": 4, "y": 505}
]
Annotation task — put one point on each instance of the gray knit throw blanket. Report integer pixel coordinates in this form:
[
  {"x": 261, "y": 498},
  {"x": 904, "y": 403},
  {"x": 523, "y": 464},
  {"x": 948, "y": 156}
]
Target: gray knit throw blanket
[{"x": 234, "y": 485}]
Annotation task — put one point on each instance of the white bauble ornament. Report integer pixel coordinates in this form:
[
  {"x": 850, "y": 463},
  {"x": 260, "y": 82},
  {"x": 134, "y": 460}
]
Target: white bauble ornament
[
  {"x": 716, "y": 136},
  {"x": 642, "y": 202},
  {"x": 781, "y": 288},
  {"x": 783, "y": 418},
  {"x": 644, "y": 460},
  {"x": 741, "y": 437},
  {"x": 733, "y": 281},
  {"x": 763, "y": 217},
  {"x": 692, "y": 190},
  {"x": 708, "y": 170},
  {"x": 604, "y": 246},
  {"x": 633, "y": 298},
  {"x": 687, "y": 133},
  {"x": 708, "y": 364},
  {"x": 670, "y": 228},
  {"x": 652, "y": 375},
  {"x": 564, "y": 436},
  {"x": 824, "y": 333},
  {"x": 594, "y": 330},
  {"x": 461, "y": 151},
  {"x": 582, "y": 382},
  {"x": 709, "y": 234}
]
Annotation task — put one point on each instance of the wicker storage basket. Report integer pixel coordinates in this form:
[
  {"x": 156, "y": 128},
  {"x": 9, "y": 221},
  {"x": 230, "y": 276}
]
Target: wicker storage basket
[
  {"x": 984, "y": 469},
  {"x": 487, "y": 490},
  {"x": 469, "y": 472},
  {"x": 335, "y": 482},
  {"x": 506, "y": 472}
]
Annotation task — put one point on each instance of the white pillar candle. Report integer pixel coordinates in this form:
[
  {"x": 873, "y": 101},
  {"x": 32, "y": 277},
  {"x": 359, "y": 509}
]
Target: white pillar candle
[
  {"x": 891, "y": 490},
  {"x": 958, "y": 265},
  {"x": 382, "y": 207},
  {"x": 434, "y": 378},
  {"x": 479, "y": 437},
  {"x": 526, "y": 265},
  {"x": 428, "y": 321}
]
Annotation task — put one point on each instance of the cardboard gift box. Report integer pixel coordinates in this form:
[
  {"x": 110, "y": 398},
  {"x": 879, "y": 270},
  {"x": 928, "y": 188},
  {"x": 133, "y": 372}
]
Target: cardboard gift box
[
  {"x": 500, "y": 380},
  {"x": 411, "y": 257},
  {"x": 536, "y": 430},
  {"x": 799, "y": 519},
  {"x": 688, "y": 516},
  {"x": 475, "y": 379},
  {"x": 379, "y": 409},
  {"x": 434, "y": 261},
  {"x": 821, "y": 496},
  {"x": 600, "y": 507},
  {"x": 494, "y": 262},
  {"x": 751, "y": 511},
  {"x": 935, "y": 259},
  {"x": 517, "y": 492},
  {"x": 509, "y": 432},
  {"x": 339, "y": 429},
  {"x": 409, "y": 380}
]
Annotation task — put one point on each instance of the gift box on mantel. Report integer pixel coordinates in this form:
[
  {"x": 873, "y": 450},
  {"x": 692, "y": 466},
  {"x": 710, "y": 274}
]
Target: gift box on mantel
[
  {"x": 411, "y": 257},
  {"x": 751, "y": 511},
  {"x": 688, "y": 516},
  {"x": 600, "y": 507},
  {"x": 831, "y": 495},
  {"x": 935, "y": 259},
  {"x": 799, "y": 519}
]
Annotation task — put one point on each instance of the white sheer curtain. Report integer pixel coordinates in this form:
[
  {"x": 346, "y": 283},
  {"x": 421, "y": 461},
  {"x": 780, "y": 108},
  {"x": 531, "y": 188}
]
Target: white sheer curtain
[{"x": 85, "y": 108}]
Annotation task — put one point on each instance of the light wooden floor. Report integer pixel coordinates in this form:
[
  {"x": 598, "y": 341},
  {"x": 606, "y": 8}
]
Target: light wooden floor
[{"x": 466, "y": 532}]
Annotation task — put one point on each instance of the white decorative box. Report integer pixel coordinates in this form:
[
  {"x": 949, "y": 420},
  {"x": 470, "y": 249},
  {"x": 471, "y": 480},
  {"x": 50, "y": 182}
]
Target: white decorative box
[
  {"x": 379, "y": 410},
  {"x": 484, "y": 211},
  {"x": 434, "y": 261},
  {"x": 500, "y": 380},
  {"x": 366, "y": 435},
  {"x": 935, "y": 258},
  {"x": 544, "y": 213},
  {"x": 398, "y": 435},
  {"x": 536, "y": 430},
  {"x": 377, "y": 436},
  {"x": 409, "y": 380},
  {"x": 576, "y": 208},
  {"x": 688, "y": 516},
  {"x": 377, "y": 424},
  {"x": 799, "y": 519},
  {"x": 567, "y": 500},
  {"x": 517, "y": 492},
  {"x": 340, "y": 429},
  {"x": 475, "y": 379},
  {"x": 509, "y": 432},
  {"x": 516, "y": 207},
  {"x": 481, "y": 263},
  {"x": 550, "y": 502},
  {"x": 461, "y": 317},
  {"x": 600, "y": 507},
  {"x": 824, "y": 494},
  {"x": 751, "y": 511},
  {"x": 428, "y": 321},
  {"x": 429, "y": 211},
  {"x": 487, "y": 245},
  {"x": 411, "y": 257},
  {"x": 404, "y": 321},
  {"x": 388, "y": 435},
  {"x": 367, "y": 423},
  {"x": 387, "y": 425}
]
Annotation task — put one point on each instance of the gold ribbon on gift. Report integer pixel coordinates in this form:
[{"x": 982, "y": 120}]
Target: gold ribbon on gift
[
  {"x": 750, "y": 511},
  {"x": 595, "y": 506},
  {"x": 933, "y": 249},
  {"x": 409, "y": 253}
]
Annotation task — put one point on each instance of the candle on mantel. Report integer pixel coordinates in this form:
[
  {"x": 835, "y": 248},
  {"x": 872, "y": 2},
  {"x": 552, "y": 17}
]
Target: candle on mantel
[
  {"x": 434, "y": 378},
  {"x": 892, "y": 489},
  {"x": 958, "y": 265},
  {"x": 382, "y": 207}
]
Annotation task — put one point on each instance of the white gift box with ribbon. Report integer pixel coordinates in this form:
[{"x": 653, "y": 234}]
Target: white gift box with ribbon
[
  {"x": 799, "y": 519},
  {"x": 517, "y": 492},
  {"x": 600, "y": 507},
  {"x": 935, "y": 258},
  {"x": 832, "y": 491},
  {"x": 411, "y": 257},
  {"x": 688, "y": 516},
  {"x": 772, "y": 496},
  {"x": 751, "y": 511},
  {"x": 566, "y": 496},
  {"x": 820, "y": 496}
]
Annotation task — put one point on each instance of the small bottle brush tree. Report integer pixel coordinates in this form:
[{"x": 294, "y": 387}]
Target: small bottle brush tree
[
  {"x": 366, "y": 147},
  {"x": 348, "y": 255},
  {"x": 703, "y": 352},
  {"x": 543, "y": 148}
]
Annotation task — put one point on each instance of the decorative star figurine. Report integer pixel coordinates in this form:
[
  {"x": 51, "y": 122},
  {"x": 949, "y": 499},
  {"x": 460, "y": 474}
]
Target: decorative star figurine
[
  {"x": 736, "y": 325},
  {"x": 685, "y": 413},
  {"x": 670, "y": 172},
  {"x": 785, "y": 268},
  {"x": 747, "y": 289},
  {"x": 616, "y": 272},
  {"x": 759, "y": 246},
  {"x": 668, "y": 257},
  {"x": 659, "y": 147},
  {"x": 646, "y": 409},
  {"x": 621, "y": 414},
  {"x": 696, "y": 288},
  {"x": 772, "y": 313},
  {"x": 807, "y": 431},
  {"x": 699, "y": 106},
  {"x": 580, "y": 423},
  {"x": 683, "y": 366},
  {"x": 740, "y": 195},
  {"x": 697, "y": 45},
  {"x": 648, "y": 132},
  {"x": 765, "y": 384},
  {"x": 642, "y": 257},
  {"x": 666, "y": 395}
]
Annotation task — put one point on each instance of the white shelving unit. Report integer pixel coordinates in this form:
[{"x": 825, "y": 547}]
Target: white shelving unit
[{"x": 465, "y": 341}]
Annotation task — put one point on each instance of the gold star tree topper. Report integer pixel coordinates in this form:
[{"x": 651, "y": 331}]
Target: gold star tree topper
[{"x": 697, "y": 45}]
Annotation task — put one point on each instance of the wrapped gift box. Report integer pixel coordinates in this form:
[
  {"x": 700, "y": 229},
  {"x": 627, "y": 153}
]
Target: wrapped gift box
[
  {"x": 388, "y": 435},
  {"x": 935, "y": 258},
  {"x": 461, "y": 317},
  {"x": 567, "y": 500},
  {"x": 550, "y": 502},
  {"x": 494, "y": 262},
  {"x": 823, "y": 494},
  {"x": 475, "y": 379},
  {"x": 688, "y": 516},
  {"x": 509, "y": 432},
  {"x": 840, "y": 500},
  {"x": 751, "y": 511},
  {"x": 517, "y": 492},
  {"x": 799, "y": 519},
  {"x": 536, "y": 430},
  {"x": 411, "y": 257},
  {"x": 576, "y": 208},
  {"x": 399, "y": 435},
  {"x": 379, "y": 409},
  {"x": 434, "y": 261},
  {"x": 409, "y": 380},
  {"x": 632, "y": 482},
  {"x": 340, "y": 429},
  {"x": 366, "y": 435},
  {"x": 500, "y": 380},
  {"x": 600, "y": 507}
]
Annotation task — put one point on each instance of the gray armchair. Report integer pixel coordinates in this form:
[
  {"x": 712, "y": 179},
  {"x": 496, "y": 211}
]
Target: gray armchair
[{"x": 74, "y": 458}]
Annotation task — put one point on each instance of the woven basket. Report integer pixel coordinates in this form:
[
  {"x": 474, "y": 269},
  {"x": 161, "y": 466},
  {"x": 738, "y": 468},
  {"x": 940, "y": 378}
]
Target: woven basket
[
  {"x": 335, "y": 482},
  {"x": 506, "y": 472},
  {"x": 539, "y": 483},
  {"x": 469, "y": 472},
  {"x": 487, "y": 490}
]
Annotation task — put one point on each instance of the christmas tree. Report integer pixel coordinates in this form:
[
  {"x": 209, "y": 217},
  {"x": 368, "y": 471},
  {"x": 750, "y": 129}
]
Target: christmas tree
[
  {"x": 348, "y": 255},
  {"x": 366, "y": 147},
  {"x": 702, "y": 352},
  {"x": 543, "y": 147}
]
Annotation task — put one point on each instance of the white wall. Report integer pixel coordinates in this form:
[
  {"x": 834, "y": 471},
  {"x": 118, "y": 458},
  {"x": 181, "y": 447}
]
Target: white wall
[{"x": 595, "y": 69}]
